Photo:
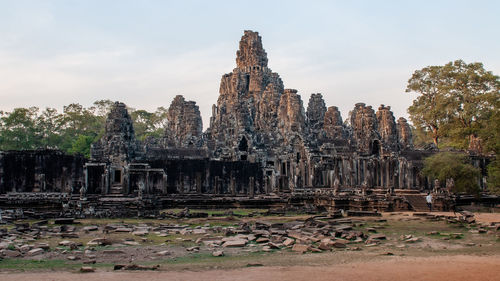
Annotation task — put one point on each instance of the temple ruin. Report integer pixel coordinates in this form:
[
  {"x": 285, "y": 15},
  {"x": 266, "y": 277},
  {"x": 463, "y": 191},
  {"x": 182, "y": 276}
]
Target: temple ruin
[{"x": 262, "y": 148}]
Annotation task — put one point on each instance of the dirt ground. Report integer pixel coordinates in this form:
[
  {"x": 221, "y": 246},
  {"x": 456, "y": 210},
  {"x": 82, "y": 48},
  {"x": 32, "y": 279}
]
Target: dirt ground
[{"x": 441, "y": 268}]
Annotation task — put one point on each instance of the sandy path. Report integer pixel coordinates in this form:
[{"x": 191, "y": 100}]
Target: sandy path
[
  {"x": 442, "y": 268},
  {"x": 480, "y": 217}
]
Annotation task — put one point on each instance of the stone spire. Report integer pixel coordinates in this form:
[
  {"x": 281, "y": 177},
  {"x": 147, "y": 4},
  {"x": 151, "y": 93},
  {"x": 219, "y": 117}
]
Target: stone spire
[
  {"x": 316, "y": 110},
  {"x": 118, "y": 144},
  {"x": 251, "y": 52},
  {"x": 364, "y": 125},
  {"x": 291, "y": 113},
  {"x": 332, "y": 124},
  {"x": 404, "y": 134},
  {"x": 248, "y": 102},
  {"x": 184, "y": 127},
  {"x": 386, "y": 125}
]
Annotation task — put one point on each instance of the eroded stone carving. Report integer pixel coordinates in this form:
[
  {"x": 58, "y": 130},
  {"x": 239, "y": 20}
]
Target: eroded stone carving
[
  {"x": 184, "y": 128},
  {"x": 118, "y": 145}
]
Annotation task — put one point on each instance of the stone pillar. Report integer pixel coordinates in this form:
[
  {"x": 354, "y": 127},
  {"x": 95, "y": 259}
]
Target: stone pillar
[
  {"x": 216, "y": 186},
  {"x": 358, "y": 174},
  {"x": 352, "y": 172},
  {"x": 106, "y": 187},
  {"x": 165, "y": 183},
  {"x": 233, "y": 185},
  {"x": 252, "y": 186},
  {"x": 380, "y": 173},
  {"x": 86, "y": 179},
  {"x": 198, "y": 183},
  {"x": 401, "y": 174},
  {"x": 365, "y": 172},
  {"x": 180, "y": 183},
  {"x": 387, "y": 173},
  {"x": 409, "y": 175}
]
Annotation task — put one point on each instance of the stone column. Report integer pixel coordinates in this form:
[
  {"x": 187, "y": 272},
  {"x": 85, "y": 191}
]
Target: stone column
[
  {"x": 409, "y": 175},
  {"x": 180, "y": 183},
  {"x": 86, "y": 179},
  {"x": 365, "y": 172},
  {"x": 357, "y": 167},
  {"x": 106, "y": 187},
  {"x": 216, "y": 187},
  {"x": 252, "y": 186},
  {"x": 387, "y": 173},
  {"x": 165, "y": 183},
  {"x": 233, "y": 185},
  {"x": 401, "y": 173},
  {"x": 198, "y": 183}
]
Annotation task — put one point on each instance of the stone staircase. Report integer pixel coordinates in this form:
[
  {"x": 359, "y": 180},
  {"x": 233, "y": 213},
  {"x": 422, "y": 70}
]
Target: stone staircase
[
  {"x": 116, "y": 190},
  {"x": 417, "y": 202}
]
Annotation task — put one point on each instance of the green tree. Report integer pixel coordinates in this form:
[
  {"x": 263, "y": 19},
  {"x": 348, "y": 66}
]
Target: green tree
[
  {"x": 101, "y": 107},
  {"x": 148, "y": 124},
  {"x": 79, "y": 121},
  {"x": 49, "y": 124},
  {"x": 428, "y": 110},
  {"x": 19, "y": 129},
  {"x": 455, "y": 101},
  {"x": 81, "y": 145},
  {"x": 447, "y": 165},
  {"x": 494, "y": 176}
]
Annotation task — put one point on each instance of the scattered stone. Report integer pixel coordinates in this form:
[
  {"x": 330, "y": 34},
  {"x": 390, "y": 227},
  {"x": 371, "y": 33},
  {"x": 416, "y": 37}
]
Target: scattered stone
[
  {"x": 36, "y": 251},
  {"x": 218, "y": 253},
  {"x": 124, "y": 229},
  {"x": 235, "y": 243},
  {"x": 412, "y": 240},
  {"x": 64, "y": 221},
  {"x": 135, "y": 267},
  {"x": 301, "y": 248},
  {"x": 262, "y": 240},
  {"x": 377, "y": 237},
  {"x": 288, "y": 242},
  {"x": 99, "y": 242},
  {"x": 12, "y": 253},
  {"x": 193, "y": 249},
  {"x": 113, "y": 252},
  {"x": 87, "y": 269},
  {"x": 339, "y": 245},
  {"x": 90, "y": 228},
  {"x": 131, "y": 243},
  {"x": 163, "y": 253}
]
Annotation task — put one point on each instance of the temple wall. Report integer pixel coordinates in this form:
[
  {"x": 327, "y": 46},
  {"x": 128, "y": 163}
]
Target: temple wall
[
  {"x": 203, "y": 176},
  {"x": 40, "y": 171}
]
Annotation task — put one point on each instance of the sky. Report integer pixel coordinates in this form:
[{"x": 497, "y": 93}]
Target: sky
[{"x": 144, "y": 53}]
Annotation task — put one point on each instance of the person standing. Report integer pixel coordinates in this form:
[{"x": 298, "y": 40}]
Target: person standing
[{"x": 428, "y": 198}]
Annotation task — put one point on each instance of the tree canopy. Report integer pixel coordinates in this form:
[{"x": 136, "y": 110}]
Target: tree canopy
[
  {"x": 73, "y": 130},
  {"x": 447, "y": 165},
  {"x": 455, "y": 101}
]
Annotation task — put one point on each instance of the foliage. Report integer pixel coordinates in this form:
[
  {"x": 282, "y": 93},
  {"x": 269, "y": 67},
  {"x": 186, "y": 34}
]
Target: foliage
[
  {"x": 494, "y": 176},
  {"x": 19, "y": 129},
  {"x": 82, "y": 145},
  {"x": 447, "y": 165},
  {"x": 149, "y": 123},
  {"x": 456, "y": 100},
  {"x": 72, "y": 131}
]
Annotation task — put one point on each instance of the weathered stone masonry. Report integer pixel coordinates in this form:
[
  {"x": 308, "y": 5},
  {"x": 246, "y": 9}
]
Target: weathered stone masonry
[{"x": 260, "y": 142}]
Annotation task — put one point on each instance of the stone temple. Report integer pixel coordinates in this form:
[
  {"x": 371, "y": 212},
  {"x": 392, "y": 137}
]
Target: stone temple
[{"x": 263, "y": 147}]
